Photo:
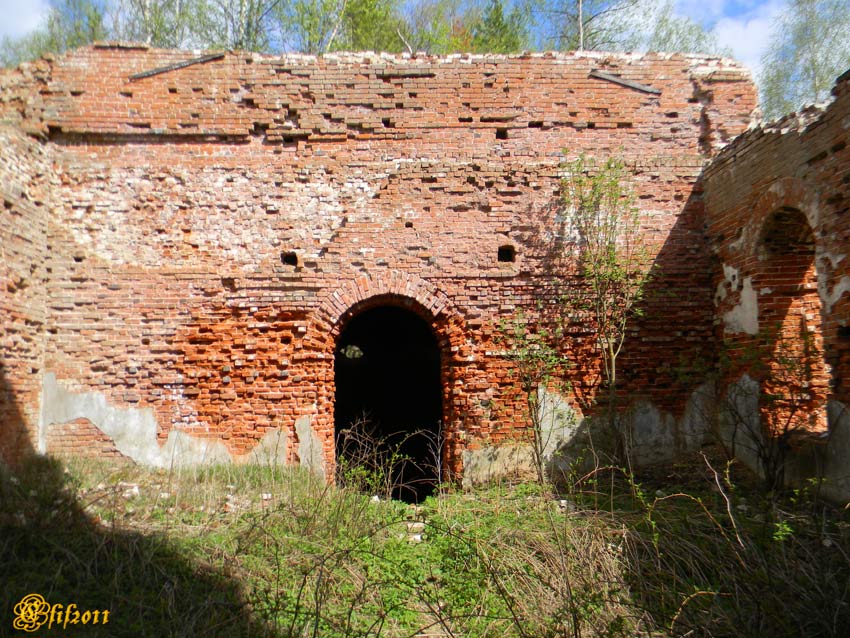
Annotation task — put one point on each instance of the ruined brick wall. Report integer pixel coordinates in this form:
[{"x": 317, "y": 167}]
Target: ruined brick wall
[
  {"x": 778, "y": 206},
  {"x": 215, "y": 226}
]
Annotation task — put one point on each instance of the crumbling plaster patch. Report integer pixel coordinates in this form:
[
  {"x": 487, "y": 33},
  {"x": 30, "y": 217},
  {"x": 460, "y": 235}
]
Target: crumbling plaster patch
[
  {"x": 828, "y": 298},
  {"x": 744, "y": 317},
  {"x": 134, "y": 431},
  {"x": 309, "y": 446},
  {"x": 739, "y": 423},
  {"x": 836, "y": 485},
  {"x": 489, "y": 463},
  {"x": 569, "y": 438}
]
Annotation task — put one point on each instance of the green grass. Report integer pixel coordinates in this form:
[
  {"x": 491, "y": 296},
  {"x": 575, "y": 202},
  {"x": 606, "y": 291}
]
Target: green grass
[{"x": 259, "y": 551}]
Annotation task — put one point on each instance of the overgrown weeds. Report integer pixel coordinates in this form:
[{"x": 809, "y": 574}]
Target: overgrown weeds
[{"x": 233, "y": 551}]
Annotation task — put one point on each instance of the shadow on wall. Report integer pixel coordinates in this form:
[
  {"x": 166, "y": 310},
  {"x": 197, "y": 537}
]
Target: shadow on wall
[
  {"x": 50, "y": 546},
  {"x": 665, "y": 394},
  {"x": 775, "y": 414}
]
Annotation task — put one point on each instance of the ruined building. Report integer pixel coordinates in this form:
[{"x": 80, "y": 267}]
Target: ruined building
[{"x": 226, "y": 257}]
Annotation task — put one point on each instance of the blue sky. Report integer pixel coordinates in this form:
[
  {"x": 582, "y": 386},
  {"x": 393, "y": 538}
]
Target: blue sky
[{"x": 741, "y": 25}]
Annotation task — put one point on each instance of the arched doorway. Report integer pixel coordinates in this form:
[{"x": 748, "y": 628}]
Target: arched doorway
[{"x": 389, "y": 397}]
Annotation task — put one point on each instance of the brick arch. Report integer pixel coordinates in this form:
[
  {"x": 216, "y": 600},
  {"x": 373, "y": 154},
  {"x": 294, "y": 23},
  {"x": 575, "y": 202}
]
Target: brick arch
[
  {"x": 786, "y": 192},
  {"x": 420, "y": 297},
  {"x": 340, "y": 303}
]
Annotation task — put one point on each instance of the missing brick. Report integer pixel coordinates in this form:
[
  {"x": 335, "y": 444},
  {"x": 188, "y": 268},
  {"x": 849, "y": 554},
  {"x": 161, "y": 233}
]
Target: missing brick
[{"x": 507, "y": 254}]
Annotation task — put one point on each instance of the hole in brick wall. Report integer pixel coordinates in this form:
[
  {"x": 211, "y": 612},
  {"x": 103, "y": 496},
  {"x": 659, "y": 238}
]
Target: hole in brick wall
[
  {"x": 535, "y": 124},
  {"x": 388, "y": 388},
  {"x": 229, "y": 283},
  {"x": 844, "y": 332},
  {"x": 591, "y": 125},
  {"x": 507, "y": 254},
  {"x": 289, "y": 258},
  {"x": 408, "y": 224},
  {"x": 501, "y": 133},
  {"x": 387, "y": 122},
  {"x": 464, "y": 119},
  {"x": 838, "y": 147},
  {"x": 412, "y": 94},
  {"x": 624, "y": 125},
  {"x": 671, "y": 114},
  {"x": 817, "y": 158},
  {"x": 172, "y": 89},
  {"x": 79, "y": 258}
]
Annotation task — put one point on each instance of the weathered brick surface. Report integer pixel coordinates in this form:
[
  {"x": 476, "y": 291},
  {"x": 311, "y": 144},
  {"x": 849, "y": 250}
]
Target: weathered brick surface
[
  {"x": 179, "y": 198},
  {"x": 81, "y": 438},
  {"x": 23, "y": 272}
]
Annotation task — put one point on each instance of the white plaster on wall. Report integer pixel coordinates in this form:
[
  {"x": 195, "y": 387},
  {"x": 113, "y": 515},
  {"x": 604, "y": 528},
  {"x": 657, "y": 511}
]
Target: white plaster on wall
[
  {"x": 829, "y": 299},
  {"x": 309, "y": 446},
  {"x": 739, "y": 423},
  {"x": 133, "y": 430},
  {"x": 744, "y": 317},
  {"x": 731, "y": 274},
  {"x": 491, "y": 463}
]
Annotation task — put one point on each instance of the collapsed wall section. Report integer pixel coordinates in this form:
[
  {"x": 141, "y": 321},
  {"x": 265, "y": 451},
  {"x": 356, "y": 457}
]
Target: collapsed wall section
[
  {"x": 777, "y": 208},
  {"x": 217, "y": 219}
]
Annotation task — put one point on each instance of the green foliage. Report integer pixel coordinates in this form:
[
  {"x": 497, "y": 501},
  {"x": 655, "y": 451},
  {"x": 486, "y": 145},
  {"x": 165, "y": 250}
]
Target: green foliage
[
  {"x": 498, "y": 32},
  {"x": 808, "y": 50},
  {"x": 440, "y": 26},
  {"x": 234, "y": 24},
  {"x": 656, "y": 27},
  {"x": 622, "y": 25},
  {"x": 369, "y": 25},
  {"x": 307, "y": 25},
  {"x": 319, "y": 26},
  {"x": 269, "y": 551},
  {"x": 613, "y": 259},
  {"x": 596, "y": 25},
  {"x": 159, "y": 23}
]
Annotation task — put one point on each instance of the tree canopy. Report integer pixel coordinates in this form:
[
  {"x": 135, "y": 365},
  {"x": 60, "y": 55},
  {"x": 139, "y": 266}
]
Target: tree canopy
[
  {"x": 319, "y": 26},
  {"x": 809, "y": 49}
]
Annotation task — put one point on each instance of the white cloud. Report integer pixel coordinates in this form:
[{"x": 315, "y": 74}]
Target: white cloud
[
  {"x": 748, "y": 34},
  {"x": 19, "y": 17},
  {"x": 702, "y": 11}
]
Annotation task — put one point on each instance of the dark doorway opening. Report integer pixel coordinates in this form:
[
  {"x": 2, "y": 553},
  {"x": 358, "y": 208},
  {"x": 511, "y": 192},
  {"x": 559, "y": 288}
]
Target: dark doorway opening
[{"x": 389, "y": 399}]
